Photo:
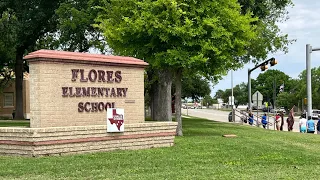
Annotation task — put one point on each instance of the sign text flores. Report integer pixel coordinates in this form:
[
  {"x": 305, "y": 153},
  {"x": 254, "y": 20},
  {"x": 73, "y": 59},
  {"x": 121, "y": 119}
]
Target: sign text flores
[{"x": 95, "y": 76}]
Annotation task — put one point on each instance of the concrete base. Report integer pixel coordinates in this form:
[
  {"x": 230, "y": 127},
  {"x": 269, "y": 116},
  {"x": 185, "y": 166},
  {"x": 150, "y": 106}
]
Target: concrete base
[{"x": 83, "y": 139}]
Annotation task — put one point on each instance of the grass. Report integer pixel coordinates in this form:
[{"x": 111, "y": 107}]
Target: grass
[
  {"x": 14, "y": 123},
  {"x": 202, "y": 153}
]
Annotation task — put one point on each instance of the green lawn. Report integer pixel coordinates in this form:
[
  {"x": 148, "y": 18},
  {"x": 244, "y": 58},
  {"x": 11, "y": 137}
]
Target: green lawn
[
  {"x": 13, "y": 123},
  {"x": 202, "y": 153}
]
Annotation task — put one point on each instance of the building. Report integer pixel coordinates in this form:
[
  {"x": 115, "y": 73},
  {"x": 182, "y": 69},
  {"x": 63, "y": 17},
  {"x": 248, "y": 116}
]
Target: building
[{"x": 7, "y": 99}]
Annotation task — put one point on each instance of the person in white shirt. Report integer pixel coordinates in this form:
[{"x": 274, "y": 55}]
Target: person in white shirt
[{"x": 303, "y": 124}]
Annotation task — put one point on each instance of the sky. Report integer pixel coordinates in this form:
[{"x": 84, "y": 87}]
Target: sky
[{"x": 304, "y": 26}]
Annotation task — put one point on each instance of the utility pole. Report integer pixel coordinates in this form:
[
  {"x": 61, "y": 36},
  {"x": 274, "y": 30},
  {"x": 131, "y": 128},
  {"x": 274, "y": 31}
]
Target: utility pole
[
  {"x": 308, "y": 70},
  {"x": 232, "y": 100}
]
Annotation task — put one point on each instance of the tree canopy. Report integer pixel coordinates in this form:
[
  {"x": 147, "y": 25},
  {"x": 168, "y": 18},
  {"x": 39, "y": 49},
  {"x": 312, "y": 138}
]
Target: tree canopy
[{"x": 29, "y": 21}]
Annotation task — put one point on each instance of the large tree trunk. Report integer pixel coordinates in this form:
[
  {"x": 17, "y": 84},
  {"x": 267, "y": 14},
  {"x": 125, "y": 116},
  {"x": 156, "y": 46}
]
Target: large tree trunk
[
  {"x": 19, "y": 86},
  {"x": 154, "y": 100},
  {"x": 162, "y": 97},
  {"x": 178, "y": 76},
  {"x": 152, "y": 92}
]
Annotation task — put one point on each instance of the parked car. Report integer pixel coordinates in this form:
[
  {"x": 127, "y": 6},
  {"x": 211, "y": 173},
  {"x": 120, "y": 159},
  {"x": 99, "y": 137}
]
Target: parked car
[
  {"x": 315, "y": 114},
  {"x": 278, "y": 110},
  {"x": 266, "y": 109}
]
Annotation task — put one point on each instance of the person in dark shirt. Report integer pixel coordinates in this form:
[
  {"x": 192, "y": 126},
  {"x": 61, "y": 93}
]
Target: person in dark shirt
[
  {"x": 264, "y": 121},
  {"x": 282, "y": 121},
  {"x": 250, "y": 118}
]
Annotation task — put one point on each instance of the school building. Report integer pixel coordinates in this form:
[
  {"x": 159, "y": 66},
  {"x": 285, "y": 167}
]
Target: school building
[{"x": 8, "y": 96}]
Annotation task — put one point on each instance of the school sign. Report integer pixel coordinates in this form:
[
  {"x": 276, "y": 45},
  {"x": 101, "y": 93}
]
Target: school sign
[{"x": 70, "y": 94}]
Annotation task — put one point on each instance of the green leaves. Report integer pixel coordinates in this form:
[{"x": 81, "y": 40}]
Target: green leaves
[{"x": 204, "y": 35}]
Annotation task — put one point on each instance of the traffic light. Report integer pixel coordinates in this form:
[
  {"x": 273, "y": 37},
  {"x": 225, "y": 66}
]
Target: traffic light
[
  {"x": 264, "y": 67},
  {"x": 273, "y": 62}
]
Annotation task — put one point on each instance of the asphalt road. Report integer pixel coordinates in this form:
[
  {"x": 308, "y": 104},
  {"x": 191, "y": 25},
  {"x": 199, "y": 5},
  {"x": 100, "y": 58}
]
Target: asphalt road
[{"x": 222, "y": 116}]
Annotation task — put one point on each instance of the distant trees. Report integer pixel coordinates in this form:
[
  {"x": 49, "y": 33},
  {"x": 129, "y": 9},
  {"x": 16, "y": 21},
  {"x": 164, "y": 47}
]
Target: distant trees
[{"x": 293, "y": 93}]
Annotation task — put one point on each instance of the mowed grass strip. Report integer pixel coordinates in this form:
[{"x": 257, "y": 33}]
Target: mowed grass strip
[
  {"x": 202, "y": 153},
  {"x": 14, "y": 123}
]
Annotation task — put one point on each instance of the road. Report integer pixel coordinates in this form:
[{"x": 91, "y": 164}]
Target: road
[{"x": 222, "y": 116}]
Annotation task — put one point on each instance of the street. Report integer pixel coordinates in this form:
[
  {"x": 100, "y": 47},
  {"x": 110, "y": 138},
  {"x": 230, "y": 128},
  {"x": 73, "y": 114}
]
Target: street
[{"x": 222, "y": 116}]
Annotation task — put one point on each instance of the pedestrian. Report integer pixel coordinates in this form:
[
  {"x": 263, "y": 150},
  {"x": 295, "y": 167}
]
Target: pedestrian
[
  {"x": 250, "y": 118},
  {"x": 318, "y": 127},
  {"x": 282, "y": 121},
  {"x": 278, "y": 121},
  {"x": 264, "y": 121},
  {"x": 310, "y": 125},
  {"x": 303, "y": 124},
  {"x": 290, "y": 119}
]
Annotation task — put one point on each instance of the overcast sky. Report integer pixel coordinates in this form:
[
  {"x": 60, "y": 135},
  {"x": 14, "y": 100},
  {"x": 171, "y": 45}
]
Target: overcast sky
[{"x": 304, "y": 26}]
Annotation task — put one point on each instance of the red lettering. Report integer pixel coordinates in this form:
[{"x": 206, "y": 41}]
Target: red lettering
[
  {"x": 78, "y": 91},
  {"x": 82, "y": 76},
  {"x": 119, "y": 92},
  {"x": 94, "y": 107},
  {"x": 93, "y": 91},
  {"x": 86, "y": 91},
  {"x": 74, "y": 74},
  {"x": 86, "y": 108},
  {"x": 70, "y": 90},
  {"x": 101, "y": 76},
  {"x": 80, "y": 107},
  {"x": 125, "y": 92},
  {"x": 118, "y": 78},
  {"x": 64, "y": 91},
  {"x": 109, "y": 77},
  {"x": 100, "y": 106},
  {"x": 94, "y": 78}
]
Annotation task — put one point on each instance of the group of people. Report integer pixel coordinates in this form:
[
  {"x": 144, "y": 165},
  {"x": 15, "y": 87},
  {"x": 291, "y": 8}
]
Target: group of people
[
  {"x": 305, "y": 125},
  {"x": 308, "y": 125},
  {"x": 279, "y": 121}
]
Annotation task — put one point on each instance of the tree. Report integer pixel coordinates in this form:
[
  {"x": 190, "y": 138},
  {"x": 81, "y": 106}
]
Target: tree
[
  {"x": 195, "y": 87},
  {"x": 268, "y": 12},
  {"x": 219, "y": 94},
  {"x": 176, "y": 35},
  {"x": 286, "y": 100},
  {"x": 265, "y": 83},
  {"x": 240, "y": 93},
  {"x": 208, "y": 100},
  {"x": 301, "y": 87},
  {"x": 32, "y": 20},
  {"x": 7, "y": 41},
  {"x": 75, "y": 31}
]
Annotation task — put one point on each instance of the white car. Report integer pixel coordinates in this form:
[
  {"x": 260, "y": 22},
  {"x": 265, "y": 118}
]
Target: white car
[{"x": 315, "y": 114}]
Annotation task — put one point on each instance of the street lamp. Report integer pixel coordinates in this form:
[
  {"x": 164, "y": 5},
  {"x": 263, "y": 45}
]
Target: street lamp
[
  {"x": 308, "y": 69},
  {"x": 263, "y": 66}
]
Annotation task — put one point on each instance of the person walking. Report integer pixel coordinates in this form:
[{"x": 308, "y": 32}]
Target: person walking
[
  {"x": 282, "y": 121},
  {"x": 250, "y": 118},
  {"x": 303, "y": 124},
  {"x": 290, "y": 119},
  {"x": 310, "y": 125},
  {"x": 264, "y": 121},
  {"x": 318, "y": 127},
  {"x": 278, "y": 121}
]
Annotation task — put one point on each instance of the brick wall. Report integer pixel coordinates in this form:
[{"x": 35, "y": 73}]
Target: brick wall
[
  {"x": 49, "y": 108},
  {"x": 82, "y": 139}
]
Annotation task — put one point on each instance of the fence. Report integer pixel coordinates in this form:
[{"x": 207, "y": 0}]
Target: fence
[{"x": 241, "y": 116}]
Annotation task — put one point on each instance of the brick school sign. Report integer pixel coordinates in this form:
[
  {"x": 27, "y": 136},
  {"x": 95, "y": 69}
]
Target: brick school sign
[
  {"x": 69, "y": 96},
  {"x": 75, "y": 89}
]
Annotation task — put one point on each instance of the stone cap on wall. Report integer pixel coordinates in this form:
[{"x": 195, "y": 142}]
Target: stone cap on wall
[{"x": 86, "y": 58}]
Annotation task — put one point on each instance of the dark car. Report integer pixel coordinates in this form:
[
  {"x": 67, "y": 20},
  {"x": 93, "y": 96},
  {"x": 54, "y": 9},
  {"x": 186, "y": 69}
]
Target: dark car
[
  {"x": 230, "y": 117},
  {"x": 266, "y": 109}
]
